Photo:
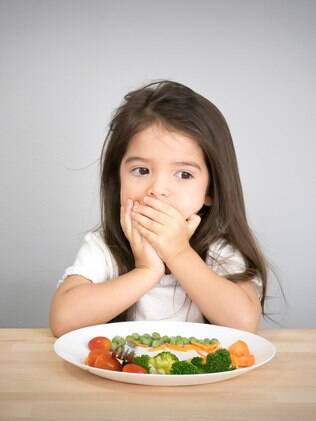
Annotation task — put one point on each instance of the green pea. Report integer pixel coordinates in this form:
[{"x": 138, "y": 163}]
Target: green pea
[
  {"x": 135, "y": 335},
  {"x": 179, "y": 340},
  {"x": 147, "y": 341},
  {"x": 129, "y": 338},
  {"x": 117, "y": 339},
  {"x": 114, "y": 346},
  {"x": 155, "y": 335},
  {"x": 156, "y": 342}
]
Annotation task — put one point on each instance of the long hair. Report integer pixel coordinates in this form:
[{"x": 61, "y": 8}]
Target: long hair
[{"x": 178, "y": 107}]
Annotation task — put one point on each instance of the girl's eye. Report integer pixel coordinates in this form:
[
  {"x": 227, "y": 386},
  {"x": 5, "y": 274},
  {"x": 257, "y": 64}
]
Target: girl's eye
[
  {"x": 184, "y": 175},
  {"x": 140, "y": 171}
]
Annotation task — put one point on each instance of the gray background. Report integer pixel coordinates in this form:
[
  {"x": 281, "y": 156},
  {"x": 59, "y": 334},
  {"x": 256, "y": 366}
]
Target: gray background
[{"x": 65, "y": 65}]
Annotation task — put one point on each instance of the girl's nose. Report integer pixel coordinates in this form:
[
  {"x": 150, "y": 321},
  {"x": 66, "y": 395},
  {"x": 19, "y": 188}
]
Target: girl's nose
[{"x": 158, "y": 189}]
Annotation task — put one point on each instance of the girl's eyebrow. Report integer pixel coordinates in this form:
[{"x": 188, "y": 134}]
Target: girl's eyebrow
[{"x": 186, "y": 163}]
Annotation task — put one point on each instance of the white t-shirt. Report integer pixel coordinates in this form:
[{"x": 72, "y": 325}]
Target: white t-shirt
[{"x": 167, "y": 300}]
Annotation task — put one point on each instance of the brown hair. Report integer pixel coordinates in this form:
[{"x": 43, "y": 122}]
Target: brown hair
[{"x": 178, "y": 107}]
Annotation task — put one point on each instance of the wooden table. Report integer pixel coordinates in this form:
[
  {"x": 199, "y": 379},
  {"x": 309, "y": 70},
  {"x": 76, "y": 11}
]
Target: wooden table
[{"x": 36, "y": 385}]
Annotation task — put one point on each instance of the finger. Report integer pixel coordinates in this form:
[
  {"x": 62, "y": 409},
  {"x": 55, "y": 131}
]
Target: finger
[
  {"x": 136, "y": 237},
  {"x": 147, "y": 223},
  {"x": 122, "y": 220},
  {"x": 161, "y": 206},
  {"x": 126, "y": 218},
  {"x": 193, "y": 222},
  {"x": 153, "y": 214},
  {"x": 145, "y": 233}
]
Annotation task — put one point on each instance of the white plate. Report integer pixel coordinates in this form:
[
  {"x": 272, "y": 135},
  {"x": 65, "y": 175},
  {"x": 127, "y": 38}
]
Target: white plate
[{"x": 72, "y": 347}]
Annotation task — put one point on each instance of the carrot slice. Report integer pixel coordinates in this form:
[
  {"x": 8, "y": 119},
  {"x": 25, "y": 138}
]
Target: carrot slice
[
  {"x": 245, "y": 360},
  {"x": 240, "y": 355},
  {"x": 239, "y": 348}
]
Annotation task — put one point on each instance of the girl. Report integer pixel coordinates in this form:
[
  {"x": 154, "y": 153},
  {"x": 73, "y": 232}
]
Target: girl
[{"x": 174, "y": 243}]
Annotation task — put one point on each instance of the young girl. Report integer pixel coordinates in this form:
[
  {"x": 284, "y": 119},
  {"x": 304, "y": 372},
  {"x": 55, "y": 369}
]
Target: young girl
[{"x": 174, "y": 243}]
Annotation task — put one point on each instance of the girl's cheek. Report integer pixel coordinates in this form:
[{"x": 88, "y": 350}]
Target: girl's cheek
[{"x": 130, "y": 195}]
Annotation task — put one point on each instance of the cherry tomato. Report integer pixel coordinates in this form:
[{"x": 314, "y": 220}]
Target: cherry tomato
[
  {"x": 107, "y": 361},
  {"x": 99, "y": 342},
  {"x": 92, "y": 356},
  {"x": 134, "y": 368}
]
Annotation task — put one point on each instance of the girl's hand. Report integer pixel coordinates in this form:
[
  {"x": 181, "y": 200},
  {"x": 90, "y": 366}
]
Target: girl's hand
[
  {"x": 144, "y": 254},
  {"x": 164, "y": 227}
]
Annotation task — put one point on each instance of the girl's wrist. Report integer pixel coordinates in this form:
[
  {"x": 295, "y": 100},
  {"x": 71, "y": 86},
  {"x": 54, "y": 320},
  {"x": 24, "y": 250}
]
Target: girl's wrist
[
  {"x": 149, "y": 273},
  {"x": 177, "y": 258}
]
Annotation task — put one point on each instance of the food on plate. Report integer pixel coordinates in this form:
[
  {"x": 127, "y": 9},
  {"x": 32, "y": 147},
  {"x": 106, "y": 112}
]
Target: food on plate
[
  {"x": 215, "y": 362},
  {"x": 159, "y": 364},
  {"x": 92, "y": 356},
  {"x": 156, "y": 354},
  {"x": 240, "y": 355},
  {"x": 107, "y": 361},
  {"x": 155, "y": 343},
  {"x": 134, "y": 368},
  {"x": 99, "y": 342}
]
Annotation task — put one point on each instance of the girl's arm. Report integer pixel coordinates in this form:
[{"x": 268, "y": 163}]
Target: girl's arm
[
  {"x": 222, "y": 302},
  {"x": 78, "y": 302}
]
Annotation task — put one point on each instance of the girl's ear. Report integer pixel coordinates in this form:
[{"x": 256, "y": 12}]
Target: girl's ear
[{"x": 208, "y": 201}]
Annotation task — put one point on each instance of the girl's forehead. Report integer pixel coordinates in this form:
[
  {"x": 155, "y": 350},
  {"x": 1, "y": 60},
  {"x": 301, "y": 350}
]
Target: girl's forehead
[{"x": 157, "y": 140}]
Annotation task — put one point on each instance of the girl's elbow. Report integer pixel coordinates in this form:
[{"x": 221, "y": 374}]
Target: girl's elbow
[
  {"x": 56, "y": 327},
  {"x": 251, "y": 321},
  {"x": 57, "y": 323},
  {"x": 250, "y": 326}
]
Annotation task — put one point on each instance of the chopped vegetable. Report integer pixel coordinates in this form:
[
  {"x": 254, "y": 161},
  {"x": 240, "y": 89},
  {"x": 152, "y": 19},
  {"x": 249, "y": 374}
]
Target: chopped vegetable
[
  {"x": 162, "y": 363},
  {"x": 92, "y": 356},
  {"x": 108, "y": 362},
  {"x": 240, "y": 355},
  {"x": 239, "y": 348},
  {"x": 218, "y": 361},
  {"x": 134, "y": 368},
  {"x": 184, "y": 367},
  {"x": 198, "y": 362},
  {"x": 142, "y": 360},
  {"x": 99, "y": 342},
  {"x": 215, "y": 362}
]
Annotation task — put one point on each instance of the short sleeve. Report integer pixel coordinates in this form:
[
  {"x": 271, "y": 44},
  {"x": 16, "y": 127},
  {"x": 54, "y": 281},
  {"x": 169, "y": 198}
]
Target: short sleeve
[
  {"x": 93, "y": 261},
  {"x": 224, "y": 259}
]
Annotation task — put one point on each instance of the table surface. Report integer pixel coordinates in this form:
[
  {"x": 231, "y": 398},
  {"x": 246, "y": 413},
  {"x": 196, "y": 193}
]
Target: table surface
[{"x": 35, "y": 384}]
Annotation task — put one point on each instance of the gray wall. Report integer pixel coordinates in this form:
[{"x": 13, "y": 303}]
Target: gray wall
[{"x": 65, "y": 65}]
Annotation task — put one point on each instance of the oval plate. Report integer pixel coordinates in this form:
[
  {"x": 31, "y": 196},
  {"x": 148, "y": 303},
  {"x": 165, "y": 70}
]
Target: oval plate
[{"x": 73, "y": 348}]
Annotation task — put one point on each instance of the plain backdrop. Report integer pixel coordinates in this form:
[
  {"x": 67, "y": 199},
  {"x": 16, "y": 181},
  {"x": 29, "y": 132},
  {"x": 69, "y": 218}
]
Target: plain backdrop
[{"x": 65, "y": 67}]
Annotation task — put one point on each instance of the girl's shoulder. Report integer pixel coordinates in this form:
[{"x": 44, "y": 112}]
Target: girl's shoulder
[
  {"x": 95, "y": 238},
  {"x": 95, "y": 245},
  {"x": 224, "y": 257},
  {"x": 221, "y": 247}
]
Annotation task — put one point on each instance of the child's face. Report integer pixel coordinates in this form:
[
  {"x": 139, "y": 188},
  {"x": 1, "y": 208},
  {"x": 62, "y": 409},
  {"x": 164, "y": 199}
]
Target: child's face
[{"x": 167, "y": 165}]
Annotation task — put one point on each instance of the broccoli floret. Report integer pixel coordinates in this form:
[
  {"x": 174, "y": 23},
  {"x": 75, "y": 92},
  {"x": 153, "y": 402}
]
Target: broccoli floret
[
  {"x": 184, "y": 367},
  {"x": 142, "y": 360},
  {"x": 218, "y": 361},
  {"x": 162, "y": 362},
  {"x": 198, "y": 362}
]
